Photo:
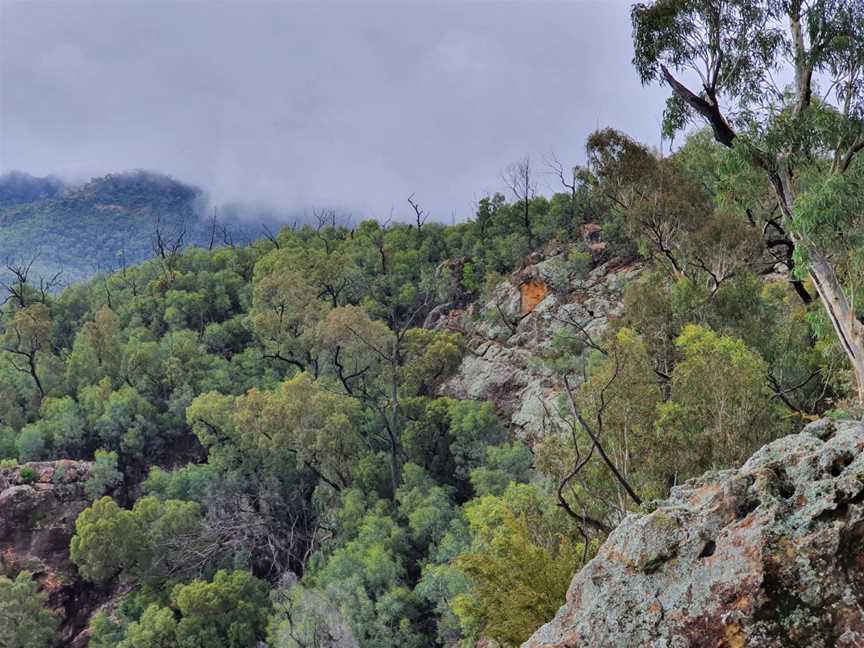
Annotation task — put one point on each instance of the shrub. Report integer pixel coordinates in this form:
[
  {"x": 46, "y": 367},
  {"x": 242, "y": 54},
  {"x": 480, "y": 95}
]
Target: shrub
[{"x": 28, "y": 475}]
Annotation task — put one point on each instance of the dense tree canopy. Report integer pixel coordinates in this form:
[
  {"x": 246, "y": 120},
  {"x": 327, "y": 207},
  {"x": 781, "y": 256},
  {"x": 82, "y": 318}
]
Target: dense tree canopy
[
  {"x": 806, "y": 142},
  {"x": 273, "y": 455}
]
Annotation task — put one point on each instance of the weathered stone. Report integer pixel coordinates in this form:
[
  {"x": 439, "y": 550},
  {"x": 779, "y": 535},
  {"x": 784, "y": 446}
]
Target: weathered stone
[
  {"x": 508, "y": 336},
  {"x": 767, "y": 555},
  {"x": 39, "y": 502}
]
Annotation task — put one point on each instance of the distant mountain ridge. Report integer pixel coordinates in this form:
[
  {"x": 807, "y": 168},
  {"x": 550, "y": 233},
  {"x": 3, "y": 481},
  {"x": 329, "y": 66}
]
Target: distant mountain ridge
[
  {"x": 79, "y": 231},
  {"x": 17, "y": 188}
]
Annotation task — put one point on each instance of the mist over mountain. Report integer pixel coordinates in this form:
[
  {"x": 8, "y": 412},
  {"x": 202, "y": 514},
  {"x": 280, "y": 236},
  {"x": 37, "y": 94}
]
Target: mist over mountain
[
  {"x": 17, "y": 187},
  {"x": 79, "y": 230}
]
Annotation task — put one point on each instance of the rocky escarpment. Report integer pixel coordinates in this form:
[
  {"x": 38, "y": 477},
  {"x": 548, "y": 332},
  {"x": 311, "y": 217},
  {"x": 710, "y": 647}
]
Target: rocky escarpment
[
  {"x": 39, "y": 502},
  {"x": 509, "y": 335},
  {"x": 767, "y": 555}
]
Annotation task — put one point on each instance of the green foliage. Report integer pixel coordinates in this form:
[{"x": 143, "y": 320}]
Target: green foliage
[
  {"x": 721, "y": 409},
  {"x": 365, "y": 577},
  {"x": 25, "y": 622},
  {"x": 303, "y": 617},
  {"x": 188, "y": 483},
  {"x": 804, "y": 144},
  {"x": 62, "y": 423},
  {"x": 293, "y": 388},
  {"x": 125, "y": 421},
  {"x": 520, "y": 562},
  {"x": 230, "y": 610},
  {"x": 104, "y": 632},
  {"x": 31, "y": 443},
  {"x": 505, "y": 464},
  {"x": 147, "y": 543},
  {"x": 104, "y": 475},
  {"x": 8, "y": 448},
  {"x": 157, "y": 628},
  {"x": 427, "y": 507},
  {"x": 473, "y": 427},
  {"x": 302, "y": 418}
]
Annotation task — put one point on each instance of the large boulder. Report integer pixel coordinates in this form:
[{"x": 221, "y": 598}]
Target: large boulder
[
  {"x": 767, "y": 555},
  {"x": 39, "y": 502}
]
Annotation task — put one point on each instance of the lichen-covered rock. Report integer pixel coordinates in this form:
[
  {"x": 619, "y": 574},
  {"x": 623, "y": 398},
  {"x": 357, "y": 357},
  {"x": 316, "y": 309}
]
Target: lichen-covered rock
[
  {"x": 768, "y": 555},
  {"x": 509, "y": 335},
  {"x": 39, "y": 502}
]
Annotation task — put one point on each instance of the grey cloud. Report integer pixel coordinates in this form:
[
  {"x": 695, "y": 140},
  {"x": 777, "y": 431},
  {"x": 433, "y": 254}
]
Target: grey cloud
[{"x": 354, "y": 105}]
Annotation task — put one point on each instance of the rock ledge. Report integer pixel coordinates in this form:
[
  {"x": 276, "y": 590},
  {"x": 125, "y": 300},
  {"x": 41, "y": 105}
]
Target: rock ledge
[{"x": 767, "y": 555}]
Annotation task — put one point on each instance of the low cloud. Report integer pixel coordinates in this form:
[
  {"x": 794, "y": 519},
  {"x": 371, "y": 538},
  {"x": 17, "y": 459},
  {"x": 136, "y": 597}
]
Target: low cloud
[{"x": 310, "y": 104}]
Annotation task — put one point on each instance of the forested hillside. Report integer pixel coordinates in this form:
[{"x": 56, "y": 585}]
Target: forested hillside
[
  {"x": 273, "y": 460},
  {"x": 310, "y": 440},
  {"x": 65, "y": 234}
]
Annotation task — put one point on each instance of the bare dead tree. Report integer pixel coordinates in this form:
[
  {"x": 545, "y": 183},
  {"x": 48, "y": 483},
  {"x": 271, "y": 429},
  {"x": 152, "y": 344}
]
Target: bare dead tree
[
  {"x": 579, "y": 462},
  {"x": 270, "y": 236},
  {"x": 163, "y": 246},
  {"x": 48, "y": 284},
  {"x": 420, "y": 216},
  {"x": 167, "y": 248},
  {"x": 227, "y": 237},
  {"x": 17, "y": 288},
  {"x": 25, "y": 345},
  {"x": 519, "y": 178},
  {"x": 581, "y": 328},
  {"x": 595, "y": 433},
  {"x": 569, "y": 179},
  {"x": 325, "y": 218},
  {"x": 214, "y": 225}
]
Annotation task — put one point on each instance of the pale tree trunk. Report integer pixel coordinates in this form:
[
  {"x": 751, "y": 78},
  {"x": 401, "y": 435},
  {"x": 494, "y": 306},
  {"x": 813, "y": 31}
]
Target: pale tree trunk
[
  {"x": 840, "y": 311},
  {"x": 837, "y": 305}
]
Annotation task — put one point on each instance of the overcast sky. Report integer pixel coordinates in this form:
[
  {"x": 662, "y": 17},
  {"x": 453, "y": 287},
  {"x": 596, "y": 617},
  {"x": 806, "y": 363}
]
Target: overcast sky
[{"x": 355, "y": 105}]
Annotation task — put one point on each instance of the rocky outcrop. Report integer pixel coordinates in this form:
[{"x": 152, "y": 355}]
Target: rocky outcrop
[
  {"x": 39, "y": 502},
  {"x": 509, "y": 335},
  {"x": 768, "y": 555}
]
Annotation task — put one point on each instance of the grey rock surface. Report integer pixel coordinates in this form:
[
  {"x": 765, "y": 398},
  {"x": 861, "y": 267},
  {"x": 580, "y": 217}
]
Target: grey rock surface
[
  {"x": 771, "y": 554},
  {"x": 504, "y": 363}
]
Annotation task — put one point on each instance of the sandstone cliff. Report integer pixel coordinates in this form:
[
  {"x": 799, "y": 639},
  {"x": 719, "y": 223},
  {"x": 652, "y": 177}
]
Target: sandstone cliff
[
  {"x": 508, "y": 336},
  {"x": 768, "y": 555},
  {"x": 39, "y": 502}
]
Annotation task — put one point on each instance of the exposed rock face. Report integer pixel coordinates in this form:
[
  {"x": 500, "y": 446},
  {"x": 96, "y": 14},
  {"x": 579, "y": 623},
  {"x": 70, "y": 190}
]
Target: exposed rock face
[
  {"x": 531, "y": 293},
  {"x": 767, "y": 555},
  {"x": 39, "y": 502},
  {"x": 508, "y": 336}
]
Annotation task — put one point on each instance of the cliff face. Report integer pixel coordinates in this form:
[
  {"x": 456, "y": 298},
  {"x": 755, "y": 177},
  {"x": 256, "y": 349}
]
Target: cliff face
[
  {"x": 39, "y": 502},
  {"x": 509, "y": 335},
  {"x": 768, "y": 555}
]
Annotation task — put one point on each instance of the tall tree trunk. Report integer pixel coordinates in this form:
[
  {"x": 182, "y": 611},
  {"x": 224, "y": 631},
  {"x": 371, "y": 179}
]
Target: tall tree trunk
[
  {"x": 849, "y": 330},
  {"x": 841, "y": 313}
]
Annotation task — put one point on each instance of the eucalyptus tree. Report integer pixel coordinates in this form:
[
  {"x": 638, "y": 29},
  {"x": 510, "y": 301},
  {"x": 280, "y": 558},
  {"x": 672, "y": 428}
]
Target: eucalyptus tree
[{"x": 722, "y": 60}]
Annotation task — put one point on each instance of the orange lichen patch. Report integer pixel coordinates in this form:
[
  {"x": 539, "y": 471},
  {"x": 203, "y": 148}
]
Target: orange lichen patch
[
  {"x": 744, "y": 603},
  {"x": 531, "y": 293},
  {"x": 735, "y": 636},
  {"x": 702, "y": 494}
]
